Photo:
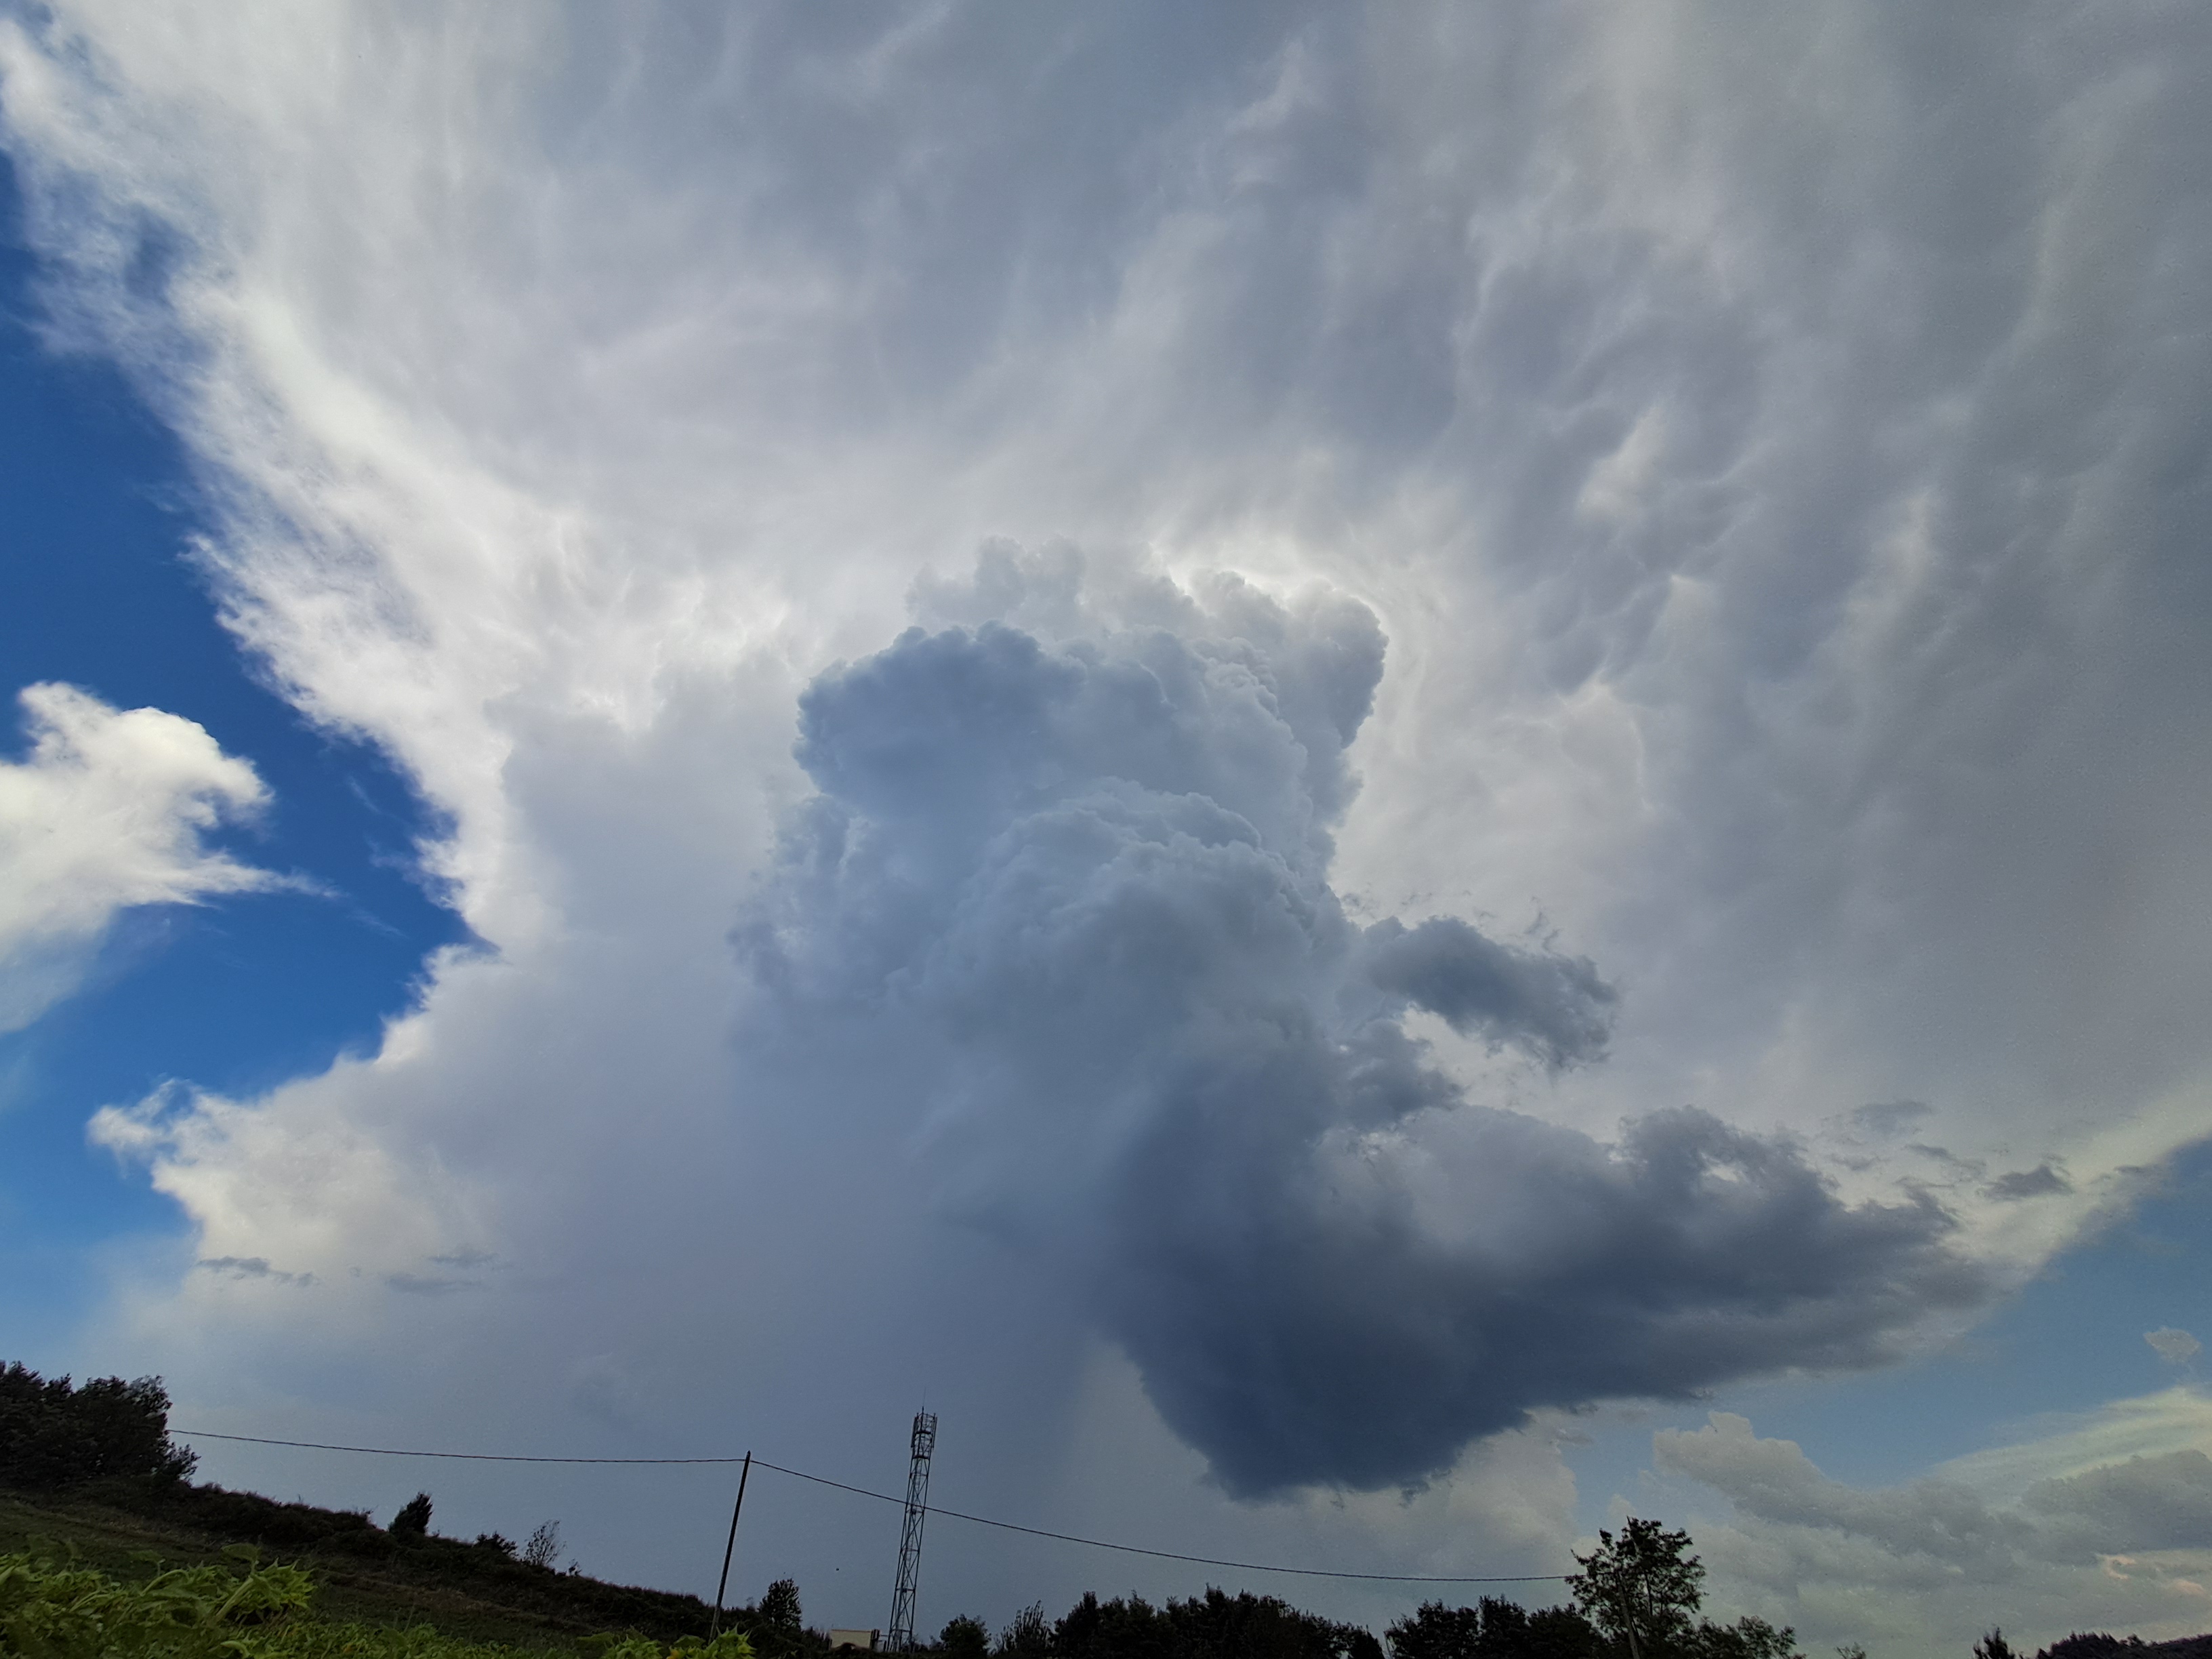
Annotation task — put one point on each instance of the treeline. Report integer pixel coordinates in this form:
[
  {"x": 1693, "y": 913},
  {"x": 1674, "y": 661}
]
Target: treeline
[
  {"x": 1217, "y": 1626},
  {"x": 1214, "y": 1625},
  {"x": 54, "y": 1436}
]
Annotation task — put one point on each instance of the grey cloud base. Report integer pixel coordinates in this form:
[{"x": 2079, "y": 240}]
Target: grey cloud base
[{"x": 1071, "y": 870}]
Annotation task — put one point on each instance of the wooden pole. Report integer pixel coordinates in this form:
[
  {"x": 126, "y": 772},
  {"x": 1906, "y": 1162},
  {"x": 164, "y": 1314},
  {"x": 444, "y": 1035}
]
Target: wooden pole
[{"x": 730, "y": 1548}]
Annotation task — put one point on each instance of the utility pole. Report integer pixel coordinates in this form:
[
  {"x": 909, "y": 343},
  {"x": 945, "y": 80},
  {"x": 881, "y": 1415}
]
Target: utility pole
[
  {"x": 730, "y": 1548},
  {"x": 901, "y": 1636}
]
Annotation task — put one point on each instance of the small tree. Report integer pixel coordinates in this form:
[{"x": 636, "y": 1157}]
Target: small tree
[
  {"x": 414, "y": 1518},
  {"x": 1027, "y": 1635},
  {"x": 1993, "y": 1646},
  {"x": 543, "y": 1548},
  {"x": 497, "y": 1542},
  {"x": 965, "y": 1638},
  {"x": 779, "y": 1609},
  {"x": 1642, "y": 1588}
]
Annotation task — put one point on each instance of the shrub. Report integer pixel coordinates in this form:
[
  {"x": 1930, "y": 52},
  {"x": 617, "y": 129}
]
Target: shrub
[
  {"x": 965, "y": 1638},
  {"x": 1029, "y": 1636},
  {"x": 544, "y": 1548},
  {"x": 67, "y": 1612},
  {"x": 730, "y": 1644},
  {"x": 413, "y": 1520}
]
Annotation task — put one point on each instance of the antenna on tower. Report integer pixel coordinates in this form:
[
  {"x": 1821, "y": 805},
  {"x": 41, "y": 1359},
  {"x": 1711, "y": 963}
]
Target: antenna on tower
[{"x": 901, "y": 1638}]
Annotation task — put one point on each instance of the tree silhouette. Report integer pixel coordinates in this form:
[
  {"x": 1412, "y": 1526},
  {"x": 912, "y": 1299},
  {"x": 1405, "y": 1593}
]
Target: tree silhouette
[
  {"x": 1642, "y": 1587},
  {"x": 779, "y": 1607}
]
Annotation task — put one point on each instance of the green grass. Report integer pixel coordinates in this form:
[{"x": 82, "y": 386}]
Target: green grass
[
  {"x": 56, "y": 1604},
  {"x": 363, "y": 1575}
]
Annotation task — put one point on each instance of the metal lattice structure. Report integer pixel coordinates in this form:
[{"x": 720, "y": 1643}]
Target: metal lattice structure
[{"x": 901, "y": 1636}]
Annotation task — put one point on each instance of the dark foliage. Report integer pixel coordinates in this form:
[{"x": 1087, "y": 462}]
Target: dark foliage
[
  {"x": 777, "y": 1627},
  {"x": 965, "y": 1638},
  {"x": 1028, "y": 1635},
  {"x": 2100, "y": 1646},
  {"x": 1494, "y": 1629},
  {"x": 1994, "y": 1646},
  {"x": 543, "y": 1548},
  {"x": 1746, "y": 1638},
  {"x": 413, "y": 1520},
  {"x": 1210, "y": 1627},
  {"x": 780, "y": 1609},
  {"x": 53, "y": 1435},
  {"x": 1643, "y": 1587}
]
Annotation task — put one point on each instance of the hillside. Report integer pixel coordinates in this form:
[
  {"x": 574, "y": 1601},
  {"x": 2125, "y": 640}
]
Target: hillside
[{"x": 366, "y": 1574}]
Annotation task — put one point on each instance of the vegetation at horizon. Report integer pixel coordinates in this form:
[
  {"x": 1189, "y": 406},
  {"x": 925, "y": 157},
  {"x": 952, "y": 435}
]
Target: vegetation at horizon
[{"x": 151, "y": 1565}]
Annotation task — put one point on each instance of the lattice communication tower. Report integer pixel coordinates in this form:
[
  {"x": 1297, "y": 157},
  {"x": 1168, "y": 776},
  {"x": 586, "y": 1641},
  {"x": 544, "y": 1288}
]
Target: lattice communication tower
[{"x": 901, "y": 1638}]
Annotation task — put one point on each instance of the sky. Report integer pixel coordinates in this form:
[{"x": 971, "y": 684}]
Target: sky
[{"x": 1380, "y": 781}]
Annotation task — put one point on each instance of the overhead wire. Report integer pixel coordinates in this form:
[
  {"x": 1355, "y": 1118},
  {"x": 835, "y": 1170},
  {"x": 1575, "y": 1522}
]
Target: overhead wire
[{"x": 887, "y": 1497}]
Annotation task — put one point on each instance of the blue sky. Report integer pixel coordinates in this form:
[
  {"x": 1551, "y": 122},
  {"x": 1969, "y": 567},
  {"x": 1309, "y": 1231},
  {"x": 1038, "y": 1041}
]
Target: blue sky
[
  {"x": 97, "y": 590},
  {"x": 1399, "y": 777}
]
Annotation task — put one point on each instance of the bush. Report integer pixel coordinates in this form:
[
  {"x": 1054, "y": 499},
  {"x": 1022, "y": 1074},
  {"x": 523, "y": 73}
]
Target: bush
[
  {"x": 66, "y": 1611},
  {"x": 544, "y": 1548},
  {"x": 1029, "y": 1636},
  {"x": 53, "y": 1435},
  {"x": 965, "y": 1638},
  {"x": 413, "y": 1520}
]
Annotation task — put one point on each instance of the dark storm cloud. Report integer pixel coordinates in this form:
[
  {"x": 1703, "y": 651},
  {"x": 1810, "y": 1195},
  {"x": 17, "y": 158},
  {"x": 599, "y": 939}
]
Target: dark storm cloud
[
  {"x": 1482, "y": 988},
  {"x": 2041, "y": 1181},
  {"x": 1080, "y": 877}
]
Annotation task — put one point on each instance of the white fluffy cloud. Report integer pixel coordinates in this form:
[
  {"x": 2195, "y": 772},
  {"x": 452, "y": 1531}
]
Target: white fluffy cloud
[
  {"x": 106, "y": 811},
  {"x": 2104, "y": 1523},
  {"x": 1769, "y": 442}
]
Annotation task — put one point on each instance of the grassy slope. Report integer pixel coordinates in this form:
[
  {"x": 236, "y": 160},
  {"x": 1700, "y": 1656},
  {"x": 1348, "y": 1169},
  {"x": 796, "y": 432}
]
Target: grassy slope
[{"x": 364, "y": 1574}]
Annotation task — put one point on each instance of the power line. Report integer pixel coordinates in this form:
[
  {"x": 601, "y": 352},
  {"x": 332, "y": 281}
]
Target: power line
[
  {"x": 886, "y": 1497},
  {"x": 468, "y": 1457},
  {"x": 1173, "y": 1555}
]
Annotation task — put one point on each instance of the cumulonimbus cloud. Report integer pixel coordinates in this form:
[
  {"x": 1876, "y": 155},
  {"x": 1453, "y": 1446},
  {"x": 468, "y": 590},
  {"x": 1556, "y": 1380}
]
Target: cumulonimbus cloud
[
  {"x": 108, "y": 810},
  {"x": 1785, "y": 513},
  {"x": 1090, "y": 873}
]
